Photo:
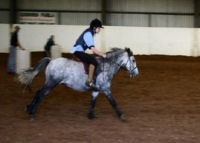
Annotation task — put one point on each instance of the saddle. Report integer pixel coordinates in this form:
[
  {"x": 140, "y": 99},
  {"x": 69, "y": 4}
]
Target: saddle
[{"x": 97, "y": 71}]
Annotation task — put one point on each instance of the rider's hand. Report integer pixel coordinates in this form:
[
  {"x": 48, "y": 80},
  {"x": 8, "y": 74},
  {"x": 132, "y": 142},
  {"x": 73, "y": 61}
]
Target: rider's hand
[
  {"x": 104, "y": 55},
  {"x": 22, "y": 48}
]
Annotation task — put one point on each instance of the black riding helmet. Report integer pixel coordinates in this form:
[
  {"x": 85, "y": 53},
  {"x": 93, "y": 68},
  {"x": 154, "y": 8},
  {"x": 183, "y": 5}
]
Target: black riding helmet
[{"x": 95, "y": 23}]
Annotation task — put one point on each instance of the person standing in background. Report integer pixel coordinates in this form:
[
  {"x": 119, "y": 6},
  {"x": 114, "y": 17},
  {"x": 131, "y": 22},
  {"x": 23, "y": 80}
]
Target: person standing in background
[
  {"x": 48, "y": 45},
  {"x": 14, "y": 42}
]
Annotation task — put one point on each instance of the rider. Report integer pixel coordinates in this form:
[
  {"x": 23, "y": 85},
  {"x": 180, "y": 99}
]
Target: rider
[{"x": 84, "y": 42}]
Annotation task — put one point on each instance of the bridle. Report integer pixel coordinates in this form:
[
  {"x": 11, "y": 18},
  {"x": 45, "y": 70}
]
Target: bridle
[
  {"x": 124, "y": 65},
  {"x": 121, "y": 66},
  {"x": 130, "y": 70}
]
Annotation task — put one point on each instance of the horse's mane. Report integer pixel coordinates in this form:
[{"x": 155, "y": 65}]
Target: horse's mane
[{"x": 114, "y": 53}]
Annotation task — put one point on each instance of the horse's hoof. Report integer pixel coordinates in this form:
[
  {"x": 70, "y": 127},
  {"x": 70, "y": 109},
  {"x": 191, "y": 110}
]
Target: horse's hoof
[
  {"x": 122, "y": 117},
  {"x": 91, "y": 116},
  {"x": 27, "y": 108},
  {"x": 31, "y": 117}
]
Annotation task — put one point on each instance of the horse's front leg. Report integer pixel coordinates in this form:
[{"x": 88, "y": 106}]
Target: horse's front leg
[
  {"x": 108, "y": 95},
  {"x": 92, "y": 105}
]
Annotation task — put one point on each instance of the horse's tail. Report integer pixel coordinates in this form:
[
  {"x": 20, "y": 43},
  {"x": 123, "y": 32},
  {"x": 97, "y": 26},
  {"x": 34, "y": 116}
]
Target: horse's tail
[{"x": 26, "y": 77}]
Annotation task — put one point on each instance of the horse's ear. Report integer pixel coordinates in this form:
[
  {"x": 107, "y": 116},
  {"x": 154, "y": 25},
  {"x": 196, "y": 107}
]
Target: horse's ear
[{"x": 129, "y": 51}]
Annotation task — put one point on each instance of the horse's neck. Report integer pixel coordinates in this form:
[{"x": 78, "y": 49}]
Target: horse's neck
[{"x": 111, "y": 68}]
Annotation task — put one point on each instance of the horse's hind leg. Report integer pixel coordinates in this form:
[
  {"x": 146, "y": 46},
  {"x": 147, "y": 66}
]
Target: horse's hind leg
[
  {"x": 92, "y": 105},
  {"x": 40, "y": 94},
  {"x": 30, "y": 106}
]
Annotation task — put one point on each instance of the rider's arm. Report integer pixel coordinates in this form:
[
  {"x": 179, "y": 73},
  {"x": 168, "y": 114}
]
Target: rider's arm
[
  {"x": 97, "y": 52},
  {"x": 90, "y": 43}
]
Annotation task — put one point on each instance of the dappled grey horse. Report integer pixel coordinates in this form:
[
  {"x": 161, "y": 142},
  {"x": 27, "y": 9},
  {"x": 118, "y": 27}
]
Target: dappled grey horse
[{"x": 71, "y": 73}]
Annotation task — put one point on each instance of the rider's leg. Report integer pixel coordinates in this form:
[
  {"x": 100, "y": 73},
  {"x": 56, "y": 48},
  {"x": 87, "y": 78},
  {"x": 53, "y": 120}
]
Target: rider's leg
[
  {"x": 89, "y": 81},
  {"x": 84, "y": 57},
  {"x": 92, "y": 67}
]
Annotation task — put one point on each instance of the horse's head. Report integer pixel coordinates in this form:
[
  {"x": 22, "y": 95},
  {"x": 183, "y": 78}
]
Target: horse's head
[
  {"x": 129, "y": 63},
  {"x": 125, "y": 59}
]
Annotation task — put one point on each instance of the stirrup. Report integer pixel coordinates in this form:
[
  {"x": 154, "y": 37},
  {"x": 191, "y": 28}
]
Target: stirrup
[{"x": 91, "y": 84}]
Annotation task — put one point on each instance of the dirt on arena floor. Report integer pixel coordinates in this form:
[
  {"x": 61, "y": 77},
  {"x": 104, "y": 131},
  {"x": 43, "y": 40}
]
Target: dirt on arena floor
[{"x": 161, "y": 106}]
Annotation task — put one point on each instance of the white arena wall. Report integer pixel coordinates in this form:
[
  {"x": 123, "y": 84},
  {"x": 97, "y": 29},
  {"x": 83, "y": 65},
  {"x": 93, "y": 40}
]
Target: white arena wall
[
  {"x": 4, "y": 38},
  {"x": 142, "y": 40}
]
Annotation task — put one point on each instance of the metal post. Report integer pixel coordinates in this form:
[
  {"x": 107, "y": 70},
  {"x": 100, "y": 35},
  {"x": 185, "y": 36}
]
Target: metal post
[
  {"x": 13, "y": 15},
  {"x": 103, "y": 9},
  {"x": 196, "y": 13}
]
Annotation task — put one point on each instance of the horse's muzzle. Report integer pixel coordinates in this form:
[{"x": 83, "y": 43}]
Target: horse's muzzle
[{"x": 134, "y": 74}]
